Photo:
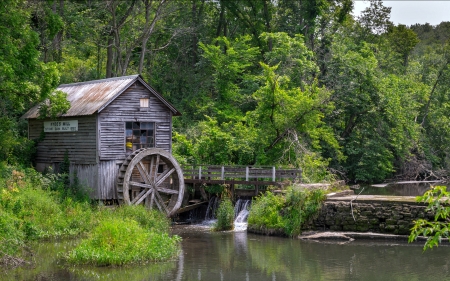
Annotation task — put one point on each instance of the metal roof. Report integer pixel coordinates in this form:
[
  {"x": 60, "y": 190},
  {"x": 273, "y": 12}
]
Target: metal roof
[{"x": 89, "y": 97}]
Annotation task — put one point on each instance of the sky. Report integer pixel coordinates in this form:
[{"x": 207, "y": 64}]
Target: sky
[{"x": 411, "y": 12}]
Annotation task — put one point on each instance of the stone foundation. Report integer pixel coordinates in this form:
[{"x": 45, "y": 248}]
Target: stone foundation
[{"x": 388, "y": 214}]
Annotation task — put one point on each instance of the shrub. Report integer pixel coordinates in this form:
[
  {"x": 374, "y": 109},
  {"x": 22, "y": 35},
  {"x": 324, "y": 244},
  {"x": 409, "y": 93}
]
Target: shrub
[
  {"x": 272, "y": 214},
  {"x": 265, "y": 213},
  {"x": 225, "y": 215}
]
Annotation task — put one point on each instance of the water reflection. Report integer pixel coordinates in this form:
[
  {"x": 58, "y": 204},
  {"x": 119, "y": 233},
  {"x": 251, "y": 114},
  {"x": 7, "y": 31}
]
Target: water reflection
[
  {"x": 398, "y": 188},
  {"x": 208, "y": 255}
]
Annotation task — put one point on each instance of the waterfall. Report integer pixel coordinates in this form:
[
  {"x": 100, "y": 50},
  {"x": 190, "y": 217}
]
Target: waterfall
[
  {"x": 212, "y": 207},
  {"x": 241, "y": 210}
]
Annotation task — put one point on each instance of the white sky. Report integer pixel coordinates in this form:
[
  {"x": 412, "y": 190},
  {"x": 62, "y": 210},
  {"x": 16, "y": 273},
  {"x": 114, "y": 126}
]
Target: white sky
[{"x": 411, "y": 12}]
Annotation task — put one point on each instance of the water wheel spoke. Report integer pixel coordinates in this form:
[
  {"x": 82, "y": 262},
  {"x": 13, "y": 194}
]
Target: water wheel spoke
[
  {"x": 160, "y": 203},
  {"x": 154, "y": 162},
  {"x": 152, "y": 199},
  {"x": 167, "y": 190},
  {"x": 139, "y": 184},
  {"x": 141, "y": 198},
  {"x": 144, "y": 175},
  {"x": 164, "y": 176},
  {"x": 152, "y": 166}
]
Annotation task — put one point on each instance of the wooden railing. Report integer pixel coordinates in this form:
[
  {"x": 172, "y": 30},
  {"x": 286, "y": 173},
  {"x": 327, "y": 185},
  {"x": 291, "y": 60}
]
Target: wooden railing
[{"x": 249, "y": 174}]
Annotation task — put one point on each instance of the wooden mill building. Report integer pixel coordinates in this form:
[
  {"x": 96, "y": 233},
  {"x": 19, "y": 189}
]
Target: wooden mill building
[{"x": 108, "y": 119}]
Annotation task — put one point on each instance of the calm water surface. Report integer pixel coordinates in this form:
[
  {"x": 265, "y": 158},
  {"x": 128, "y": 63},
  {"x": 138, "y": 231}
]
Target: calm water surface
[{"x": 209, "y": 255}]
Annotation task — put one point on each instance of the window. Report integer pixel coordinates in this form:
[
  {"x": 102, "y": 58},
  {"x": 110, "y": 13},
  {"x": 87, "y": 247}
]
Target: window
[
  {"x": 144, "y": 102},
  {"x": 139, "y": 135}
]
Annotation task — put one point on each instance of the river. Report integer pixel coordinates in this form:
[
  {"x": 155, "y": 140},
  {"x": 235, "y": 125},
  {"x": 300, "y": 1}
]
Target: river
[{"x": 207, "y": 255}]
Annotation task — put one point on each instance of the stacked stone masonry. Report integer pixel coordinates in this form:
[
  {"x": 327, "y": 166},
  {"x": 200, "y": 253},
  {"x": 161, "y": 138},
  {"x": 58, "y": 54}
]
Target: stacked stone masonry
[{"x": 375, "y": 216}]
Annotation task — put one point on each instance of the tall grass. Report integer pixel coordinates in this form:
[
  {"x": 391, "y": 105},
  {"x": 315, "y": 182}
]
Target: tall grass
[{"x": 286, "y": 215}]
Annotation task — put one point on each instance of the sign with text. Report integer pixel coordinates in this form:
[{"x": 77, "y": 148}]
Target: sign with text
[{"x": 61, "y": 126}]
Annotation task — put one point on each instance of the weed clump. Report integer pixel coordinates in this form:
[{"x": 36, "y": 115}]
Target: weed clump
[{"x": 225, "y": 215}]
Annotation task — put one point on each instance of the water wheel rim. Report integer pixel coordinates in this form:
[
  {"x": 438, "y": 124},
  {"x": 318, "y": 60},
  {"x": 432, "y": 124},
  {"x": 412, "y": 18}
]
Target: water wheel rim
[{"x": 151, "y": 189}]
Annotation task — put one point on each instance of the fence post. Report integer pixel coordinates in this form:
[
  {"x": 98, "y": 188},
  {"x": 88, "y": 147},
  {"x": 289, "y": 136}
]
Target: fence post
[
  {"x": 273, "y": 174},
  {"x": 246, "y": 173},
  {"x": 200, "y": 172},
  {"x": 223, "y": 172}
]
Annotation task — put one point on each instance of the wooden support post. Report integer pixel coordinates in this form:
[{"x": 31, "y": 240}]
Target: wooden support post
[
  {"x": 223, "y": 173},
  {"x": 273, "y": 174},
  {"x": 200, "y": 172},
  {"x": 246, "y": 173}
]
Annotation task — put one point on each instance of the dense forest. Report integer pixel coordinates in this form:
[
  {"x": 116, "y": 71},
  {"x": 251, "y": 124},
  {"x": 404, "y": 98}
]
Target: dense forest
[{"x": 259, "y": 82}]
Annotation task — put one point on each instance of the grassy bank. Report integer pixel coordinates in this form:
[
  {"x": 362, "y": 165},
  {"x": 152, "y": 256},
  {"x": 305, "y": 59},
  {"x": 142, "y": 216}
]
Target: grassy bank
[
  {"x": 35, "y": 206},
  {"x": 284, "y": 215}
]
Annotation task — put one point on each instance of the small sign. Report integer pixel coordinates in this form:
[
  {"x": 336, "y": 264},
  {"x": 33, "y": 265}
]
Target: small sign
[{"x": 61, "y": 126}]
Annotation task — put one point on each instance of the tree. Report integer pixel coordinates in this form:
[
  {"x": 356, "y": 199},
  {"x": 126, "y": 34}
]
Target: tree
[{"x": 24, "y": 80}]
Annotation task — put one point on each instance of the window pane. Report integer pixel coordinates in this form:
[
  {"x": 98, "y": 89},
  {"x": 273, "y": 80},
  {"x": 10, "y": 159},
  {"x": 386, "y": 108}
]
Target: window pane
[
  {"x": 147, "y": 125},
  {"x": 136, "y": 125},
  {"x": 128, "y": 125}
]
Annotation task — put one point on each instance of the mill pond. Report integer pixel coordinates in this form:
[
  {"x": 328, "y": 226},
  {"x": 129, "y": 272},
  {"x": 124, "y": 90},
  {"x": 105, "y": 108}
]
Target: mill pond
[{"x": 238, "y": 255}]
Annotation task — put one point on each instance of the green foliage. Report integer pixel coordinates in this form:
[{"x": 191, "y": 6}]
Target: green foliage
[
  {"x": 300, "y": 207},
  {"x": 11, "y": 237},
  {"x": 438, "y": 199},
  {"x": 42, "y": 214},
  {"x": 224, "y": 215},
  {"x": 123, "y": 240},
  {"x": 287, "y": 214},
  {"x": 31, "y": 208},
  {"x": 55, "y": 105},
  {"x": 265, "y": 213}
]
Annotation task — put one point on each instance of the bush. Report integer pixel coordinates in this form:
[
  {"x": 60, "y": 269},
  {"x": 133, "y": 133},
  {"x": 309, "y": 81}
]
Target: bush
[
  {"x": 225, "y": 215},
  {"x": 265, "y": 214},
  {"x": 286, "y": 215}
]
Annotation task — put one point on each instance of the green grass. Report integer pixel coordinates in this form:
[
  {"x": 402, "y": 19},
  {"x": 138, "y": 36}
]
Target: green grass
[{"x": 119, "y": 241}]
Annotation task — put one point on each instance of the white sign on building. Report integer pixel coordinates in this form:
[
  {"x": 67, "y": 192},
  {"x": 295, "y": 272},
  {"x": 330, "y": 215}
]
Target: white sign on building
[{"x": 61, "y": 126}]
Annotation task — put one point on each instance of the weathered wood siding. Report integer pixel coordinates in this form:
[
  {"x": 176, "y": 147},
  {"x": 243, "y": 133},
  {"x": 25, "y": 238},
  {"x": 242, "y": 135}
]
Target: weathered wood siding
[
  {"x": 88, "y": 176},
  {"x": 80, "y": 145},
  {"x": 107, "y": 171},
  {"x": 126, "y": 108}
]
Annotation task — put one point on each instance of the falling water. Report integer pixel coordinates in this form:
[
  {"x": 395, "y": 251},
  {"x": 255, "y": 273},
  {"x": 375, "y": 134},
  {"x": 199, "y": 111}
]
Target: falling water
[
  {"x": 210, "y": 216},
  {"x": 241, "y": 210}
]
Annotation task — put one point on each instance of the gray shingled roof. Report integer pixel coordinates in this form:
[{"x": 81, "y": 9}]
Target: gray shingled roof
[{"x": 89, "y": 97}]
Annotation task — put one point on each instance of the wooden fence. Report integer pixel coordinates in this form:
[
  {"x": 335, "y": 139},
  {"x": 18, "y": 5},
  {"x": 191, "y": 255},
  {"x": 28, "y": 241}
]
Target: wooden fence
[{"x": 239, "y": 174}]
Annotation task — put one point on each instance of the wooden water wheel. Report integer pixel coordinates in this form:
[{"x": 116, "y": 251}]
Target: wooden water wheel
[{"x": 152, "y": 177}]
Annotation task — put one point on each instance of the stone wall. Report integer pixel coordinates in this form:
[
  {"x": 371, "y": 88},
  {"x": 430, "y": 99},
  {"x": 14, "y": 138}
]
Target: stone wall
[{"x": 394, "y": 215}]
